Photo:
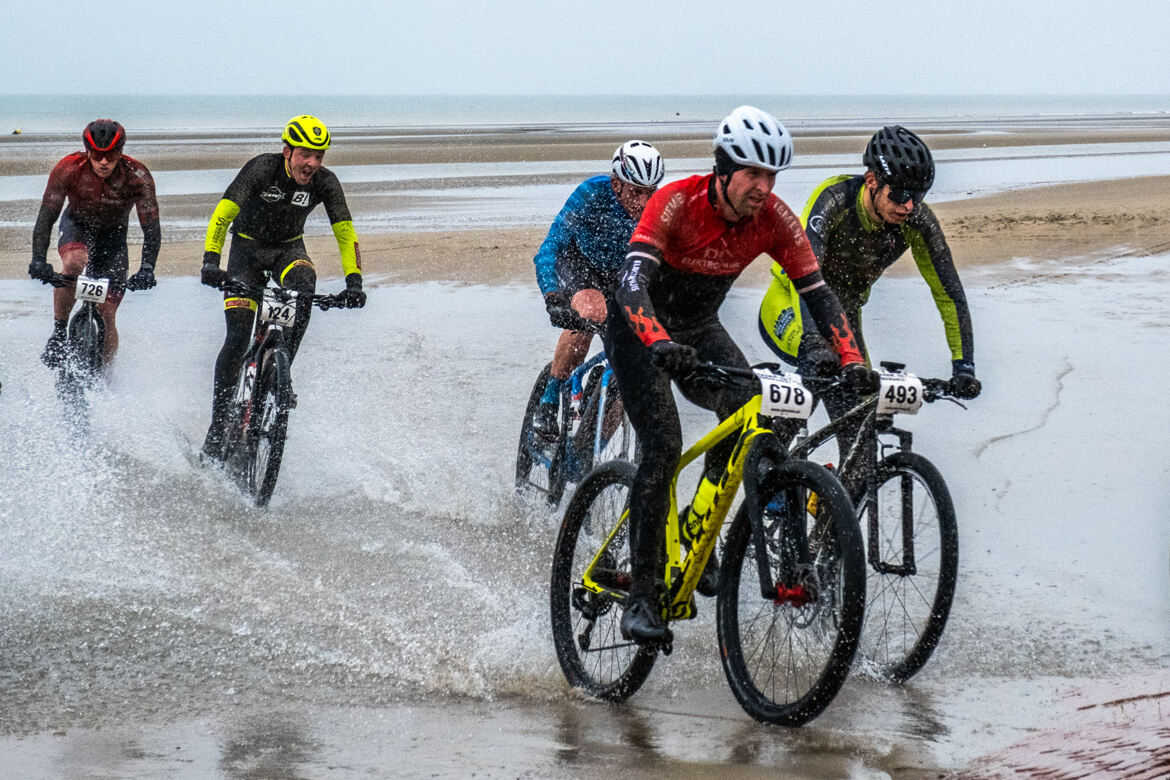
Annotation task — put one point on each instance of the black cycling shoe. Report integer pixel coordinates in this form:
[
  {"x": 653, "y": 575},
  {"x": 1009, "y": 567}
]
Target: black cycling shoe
[
  {"x": 544, "y": 420},
  {"x": 212, "y": 452},
  {"x": 54, "y": 354},
  {"x": 642, "y": 622},
  {"x": 708, "y": 584}
]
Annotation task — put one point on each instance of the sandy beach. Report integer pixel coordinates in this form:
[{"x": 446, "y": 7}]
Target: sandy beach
[{"x": 1042, "y": 222}]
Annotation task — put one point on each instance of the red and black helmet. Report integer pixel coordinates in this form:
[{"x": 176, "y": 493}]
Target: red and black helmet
[{"x": 104, "y": 135}]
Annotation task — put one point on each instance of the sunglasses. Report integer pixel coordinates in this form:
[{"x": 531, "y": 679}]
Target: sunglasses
[
  {"x": 900, "y": 195},
  {"x": 103, "y": 156}
]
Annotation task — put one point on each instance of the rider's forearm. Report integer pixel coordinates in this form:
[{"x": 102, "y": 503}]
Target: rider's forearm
[
  {"x": 43, "y": 232},
  {"x": 829, "y": 316},
  {"x": 347, "y": 245},
  {"x": 633, "y": 292},
  {"x": 225, "y": 212},
  {"x": 151, "y": 242}
]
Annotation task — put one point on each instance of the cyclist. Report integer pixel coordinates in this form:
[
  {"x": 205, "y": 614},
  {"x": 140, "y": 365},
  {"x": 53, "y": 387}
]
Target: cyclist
[
  {"x": 693, "y": 240},
  {"x": 578, "y": 262},
  {"x": 266, "y": 206},
  {"x": 858, "y": 226},
  {"x": 101, "y": 185}
]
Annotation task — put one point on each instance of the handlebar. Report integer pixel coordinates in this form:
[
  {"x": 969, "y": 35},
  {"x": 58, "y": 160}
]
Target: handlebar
[
  {"x": 322, "y": 302},
  {"x": 932, "y": 389}
]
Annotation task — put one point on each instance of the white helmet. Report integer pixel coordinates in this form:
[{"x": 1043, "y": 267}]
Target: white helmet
[
  {"x": 753, "y": 138},
  {"x": 638, "y": 163}
]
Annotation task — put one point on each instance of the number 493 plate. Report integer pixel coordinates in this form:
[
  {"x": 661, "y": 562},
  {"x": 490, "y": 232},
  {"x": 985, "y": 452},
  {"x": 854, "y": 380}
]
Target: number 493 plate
[{"x": 899, "y": 394}]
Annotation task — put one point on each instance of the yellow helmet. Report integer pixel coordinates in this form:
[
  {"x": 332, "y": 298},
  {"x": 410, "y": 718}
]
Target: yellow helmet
[{"x": 307, "y": 132}]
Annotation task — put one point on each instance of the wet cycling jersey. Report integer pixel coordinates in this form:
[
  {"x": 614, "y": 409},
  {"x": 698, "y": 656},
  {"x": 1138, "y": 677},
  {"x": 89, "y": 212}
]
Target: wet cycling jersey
[
  {"x": 684, "y": 258},
  {"x": 265, "y": 204},
  {"x": 98, "y": 205},
  {"x": 854, "y": 251},
  {"x": 588, "y": 239}
]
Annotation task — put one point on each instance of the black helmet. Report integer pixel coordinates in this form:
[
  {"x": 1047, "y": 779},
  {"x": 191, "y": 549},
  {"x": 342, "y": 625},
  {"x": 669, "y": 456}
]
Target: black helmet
[
  {"x": 104, "y": 135},
  {"x": 900, "y": 159}
]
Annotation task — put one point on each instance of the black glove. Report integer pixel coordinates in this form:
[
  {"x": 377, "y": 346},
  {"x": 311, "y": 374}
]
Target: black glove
[
  {"x": 674, "y": 358},
  {"x": 824, "y": 361},
  {"x": 143, "y": 280},
  {"x": 212, "y": 275},
  {"x": 560, "y": 313},
  {"x": 40, "y": 270},
  {"x": 963, "y": 381},
  {"x": 860, "y": 379},
  {"x": 352, "y": 296}
]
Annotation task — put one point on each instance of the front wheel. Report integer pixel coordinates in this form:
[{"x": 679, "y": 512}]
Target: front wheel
[
  {"x": 912, "y": 549},
  {"x": 586, "y": 619},
  {"x": 539, "y": 461},
  {"x": 787, "y": 639},
  {"x": 269, "y": 426}
]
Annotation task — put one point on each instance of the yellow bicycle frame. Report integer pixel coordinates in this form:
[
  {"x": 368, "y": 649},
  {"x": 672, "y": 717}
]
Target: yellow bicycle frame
[{"x": 682, "y": 570}]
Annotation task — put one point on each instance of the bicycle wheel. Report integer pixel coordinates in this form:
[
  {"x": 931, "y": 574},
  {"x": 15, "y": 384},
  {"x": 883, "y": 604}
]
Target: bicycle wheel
[
  {"x": 538, "y": 460},
  {"x": 269, "y": 426},
  {"x": 786, "y": 653},
  {"x": 87, "y": 338},
  {"x": 912, "y": 548},
  {"x": 586, "y": 625}
]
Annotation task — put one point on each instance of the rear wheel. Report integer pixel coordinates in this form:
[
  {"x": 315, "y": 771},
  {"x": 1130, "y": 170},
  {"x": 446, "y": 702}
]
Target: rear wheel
[
  {"x": 787, "y": 648},
  {"x": 269, "y": 427},
  {"x": 585, "y": 623},
  {"x": 912, "y": 550}
]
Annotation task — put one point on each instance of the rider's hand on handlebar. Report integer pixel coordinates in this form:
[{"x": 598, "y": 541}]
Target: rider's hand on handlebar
[
  {"x": 560, "y": 312},
  {"x": 212, "y": 275},
  {"x": 143, "y": 280},
  {"x": 824, "y": 361},
  {"x": 674, "y": 358},
  {"x": 861, "y": 379},
  {"x": 963, "y": 382},
  {"x": 41, "y": 271},
  {"x": 352, "y": 297}
]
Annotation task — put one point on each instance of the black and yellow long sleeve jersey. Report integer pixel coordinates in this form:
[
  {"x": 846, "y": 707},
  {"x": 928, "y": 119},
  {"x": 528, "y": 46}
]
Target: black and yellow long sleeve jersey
[
  {"x": 854, "y": 251},
  {"x": 264, "y": 203}
]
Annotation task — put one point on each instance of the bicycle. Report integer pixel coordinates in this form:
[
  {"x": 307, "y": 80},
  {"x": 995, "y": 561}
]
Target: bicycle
[
  {"x": 85, "y": 342},
  {"x": 907, "y": 522},
  {"x": 257, "y": 417},
  {"x": 792, "y": 586},
  {"x": 592, "y": 429}
]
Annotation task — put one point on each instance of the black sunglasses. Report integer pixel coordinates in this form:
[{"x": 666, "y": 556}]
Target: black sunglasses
[{"x": 900, "y": 195}]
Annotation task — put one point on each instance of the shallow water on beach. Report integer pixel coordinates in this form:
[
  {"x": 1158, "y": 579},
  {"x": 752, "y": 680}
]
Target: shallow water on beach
[{"x": 387, "y": 614}]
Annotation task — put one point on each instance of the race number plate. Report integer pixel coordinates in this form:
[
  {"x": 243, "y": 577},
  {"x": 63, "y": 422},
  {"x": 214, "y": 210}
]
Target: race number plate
[
  {"x": 784, "y": 395},
  {"x": 276, "y": 311},
  {"x": 94, "y": 290},
  {"x": 899, "y": 394}
]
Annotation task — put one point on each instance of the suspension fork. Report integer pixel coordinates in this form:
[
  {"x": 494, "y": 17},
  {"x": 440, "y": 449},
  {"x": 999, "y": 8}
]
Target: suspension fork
[
  {"x": 794, "y": 552},
  {"x": 908, "y": 567}
]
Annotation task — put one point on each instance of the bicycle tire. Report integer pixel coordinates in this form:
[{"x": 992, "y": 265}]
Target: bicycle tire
[
  {"x": 269, "y": 426},
  {"x": 85, "y": 342},
  {"x": 784, "y": 660},
  {"x": 585, "y": 625},
  {"x": 906, "y": 612},
  {"x": 527, "y": 465}
]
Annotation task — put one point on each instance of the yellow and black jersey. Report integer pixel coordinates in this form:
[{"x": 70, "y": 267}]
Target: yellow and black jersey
[
  {"x": 854, "y": 250},
  {"x": 265, "y": 204}
]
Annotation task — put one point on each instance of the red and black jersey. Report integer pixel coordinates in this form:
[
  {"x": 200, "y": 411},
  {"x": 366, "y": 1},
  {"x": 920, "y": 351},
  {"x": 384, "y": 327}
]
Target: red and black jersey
[
  {"x": 684, "y": 257},
  {"x": 97, "y": 205}
]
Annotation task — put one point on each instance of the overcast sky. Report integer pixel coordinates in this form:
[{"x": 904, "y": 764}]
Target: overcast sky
[{"x": 596, "y": 46}]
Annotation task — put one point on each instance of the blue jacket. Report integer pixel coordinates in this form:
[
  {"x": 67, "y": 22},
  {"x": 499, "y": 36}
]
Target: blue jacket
[{"x": 592, "y": 231}]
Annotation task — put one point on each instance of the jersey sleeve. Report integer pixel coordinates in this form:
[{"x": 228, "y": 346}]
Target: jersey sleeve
[
  {"x": 561, "y": 235},
  {"x": 654, "y": 227},
  {"x": 791, "y": 249},
  {"x": 51, "y": 204},
  {"x": 633, "y": 292},
  {"x": 225, "y": 211},
  {"x": 932, "y": 255},
  {"x": 336, "y": 208},
  {"x": 148, "y": 218}
]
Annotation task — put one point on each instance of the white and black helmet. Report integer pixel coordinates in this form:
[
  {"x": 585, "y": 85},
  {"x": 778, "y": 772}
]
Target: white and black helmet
[
  {"x": 638, "y": 163},
  {"x": 753, "y": 138}
]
